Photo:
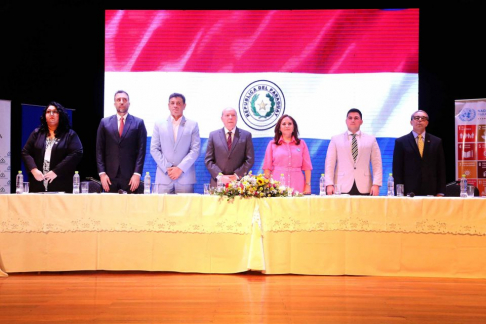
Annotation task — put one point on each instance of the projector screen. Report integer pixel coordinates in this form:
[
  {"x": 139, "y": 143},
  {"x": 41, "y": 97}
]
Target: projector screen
[{"x": 311, "y": 64}]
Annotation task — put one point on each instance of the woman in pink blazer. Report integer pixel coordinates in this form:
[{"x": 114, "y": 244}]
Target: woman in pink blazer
[{"x": 288, "y": 155}]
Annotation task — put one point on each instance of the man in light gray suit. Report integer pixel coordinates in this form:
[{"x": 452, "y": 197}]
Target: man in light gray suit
[
  {"x": 230, "y": 150},
  {"x": 175, "y": 147}
]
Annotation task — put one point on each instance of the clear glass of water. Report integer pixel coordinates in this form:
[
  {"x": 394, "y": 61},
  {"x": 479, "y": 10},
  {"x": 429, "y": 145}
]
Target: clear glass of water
[
  {"x": 400, "y": 189},
  {"x": 84, "y": 187},
  {"x": 155, "y": 188},
  {"x": 26, "y": 187},
  {"x": 337, "y": 189},
  {"x": 207, "y": 188}
]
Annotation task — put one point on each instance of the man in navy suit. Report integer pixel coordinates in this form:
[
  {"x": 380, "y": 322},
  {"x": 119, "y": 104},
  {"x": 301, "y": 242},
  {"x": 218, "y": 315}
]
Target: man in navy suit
[
  {"x": 120, "y": 148},
  {"x": 418, "y": 160},
  {"x": 230, "y": 150}
]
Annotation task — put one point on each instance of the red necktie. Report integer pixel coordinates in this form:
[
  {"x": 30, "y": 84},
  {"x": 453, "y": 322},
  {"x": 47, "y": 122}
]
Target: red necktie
[
  {"x": 229, "y": 141},
  {"x": 120, "y": 131}
]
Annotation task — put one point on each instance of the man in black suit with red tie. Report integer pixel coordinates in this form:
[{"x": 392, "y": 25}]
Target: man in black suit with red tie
[
  {"x": 120, "y": 148},
  {"x": 418, "y": 160}
]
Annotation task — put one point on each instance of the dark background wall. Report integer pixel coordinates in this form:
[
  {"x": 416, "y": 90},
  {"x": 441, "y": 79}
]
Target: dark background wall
[{"x": 55, "y": 51}]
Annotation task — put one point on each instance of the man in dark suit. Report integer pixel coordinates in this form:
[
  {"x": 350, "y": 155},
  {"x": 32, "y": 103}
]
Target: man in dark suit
[
  {"x": 120, "y": 148},
  {"x": 229, "y": 150},
  {"x": 418, "y": 160}
]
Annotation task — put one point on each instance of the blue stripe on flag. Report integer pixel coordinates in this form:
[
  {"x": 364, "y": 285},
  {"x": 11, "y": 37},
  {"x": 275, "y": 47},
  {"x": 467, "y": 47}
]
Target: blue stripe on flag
[{"x": 317, "y": 149}]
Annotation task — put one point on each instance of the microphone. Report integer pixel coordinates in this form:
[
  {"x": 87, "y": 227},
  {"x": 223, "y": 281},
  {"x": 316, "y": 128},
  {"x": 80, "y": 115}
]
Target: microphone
[
  {"x": 122, "y": 192},
  {"x": 411, "y": 194}
]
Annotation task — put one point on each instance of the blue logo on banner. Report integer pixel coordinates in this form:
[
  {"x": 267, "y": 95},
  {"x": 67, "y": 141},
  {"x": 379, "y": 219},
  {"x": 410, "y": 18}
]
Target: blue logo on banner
[
  {"x": 2, "y": 189},
  {"x": 2, "y": 175},
  {"x": 467, "y": 114},
  {"x": 2, "y": 160}
]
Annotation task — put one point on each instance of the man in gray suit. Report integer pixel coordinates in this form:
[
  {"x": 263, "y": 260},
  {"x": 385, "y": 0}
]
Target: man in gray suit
[
  {"x": 230, "y": 150},
  {"x": 175, "y": 147}
]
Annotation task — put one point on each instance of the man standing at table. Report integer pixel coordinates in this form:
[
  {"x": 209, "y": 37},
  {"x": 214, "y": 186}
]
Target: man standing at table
[
  {"x": 418, "y": 159},
  {"x": 348, "y": 160},
  {"x": 120, "y": 148},
  {"x": 230, "y": 150},
  {"x": 175, "y": 148}
]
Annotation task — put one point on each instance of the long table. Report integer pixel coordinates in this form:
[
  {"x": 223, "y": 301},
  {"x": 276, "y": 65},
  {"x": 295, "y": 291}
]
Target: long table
[{"x": 338, "y": 235}]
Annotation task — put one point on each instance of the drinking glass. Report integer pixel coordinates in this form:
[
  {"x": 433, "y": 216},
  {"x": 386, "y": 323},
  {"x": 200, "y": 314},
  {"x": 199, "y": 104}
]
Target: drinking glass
[
  {"x": 26, "y": 187},
  {"x": 84, "y": 187},
  {"x": 400, "y": 189},
  {"x": 155, "y": 188},
  {"x": 470, "y": 191},
  {"x": 207, "y": 188},
  {"x": 337, "y": 188}
]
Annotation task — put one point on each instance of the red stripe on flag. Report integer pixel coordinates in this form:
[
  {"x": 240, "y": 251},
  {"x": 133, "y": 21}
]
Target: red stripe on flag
[{"x": 300, "y": 41}]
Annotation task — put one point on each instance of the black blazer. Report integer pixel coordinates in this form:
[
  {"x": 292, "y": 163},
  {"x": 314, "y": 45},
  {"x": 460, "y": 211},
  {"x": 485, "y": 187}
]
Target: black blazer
[
  {"x": 125, "y": 153},
  {"x": 65, "y": 156},
  {"x": 420, "y": 175}
]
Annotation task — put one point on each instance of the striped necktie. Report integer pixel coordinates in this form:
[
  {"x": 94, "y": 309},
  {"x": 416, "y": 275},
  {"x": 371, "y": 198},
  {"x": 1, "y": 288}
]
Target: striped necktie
[
  {"x": 354, "y": 147},
  {"x": 229, "y": 141},
  {"x": 420, "y": 144}
]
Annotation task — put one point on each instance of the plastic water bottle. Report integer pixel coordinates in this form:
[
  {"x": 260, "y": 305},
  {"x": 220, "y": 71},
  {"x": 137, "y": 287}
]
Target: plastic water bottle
[
  {"x": 146, "y": 184},
  {"x": 19, "y": 183},
  {"x": 322, "y": 185},
  {"x": 76, "y": 182},
  {"x": 219, "y": 181},
  {"x": 463, "y": 186},
  {"x": 391, "y": 186}
]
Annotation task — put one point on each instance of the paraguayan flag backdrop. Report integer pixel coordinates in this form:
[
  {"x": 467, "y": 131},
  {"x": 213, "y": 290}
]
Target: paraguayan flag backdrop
[{"x": 311, "y": 64}]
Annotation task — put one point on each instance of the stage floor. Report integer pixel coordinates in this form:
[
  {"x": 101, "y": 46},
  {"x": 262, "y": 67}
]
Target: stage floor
[{"x": 157, "y": 297}]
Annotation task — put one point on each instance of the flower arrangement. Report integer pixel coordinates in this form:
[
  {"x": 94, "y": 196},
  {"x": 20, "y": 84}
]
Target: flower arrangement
[{"x": 255, "y": 186}]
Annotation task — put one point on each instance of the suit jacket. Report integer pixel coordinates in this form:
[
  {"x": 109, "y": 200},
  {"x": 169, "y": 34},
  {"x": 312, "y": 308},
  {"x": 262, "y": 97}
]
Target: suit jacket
[
  {"x": 125, "y": 154},
  {"x": 420, "y": 175},
  {"x": 238, "y": 160},
  {"x": 65, "y": 156},
  {"x": 182, "y": 153},
  {"x": 341, "y": 168}
]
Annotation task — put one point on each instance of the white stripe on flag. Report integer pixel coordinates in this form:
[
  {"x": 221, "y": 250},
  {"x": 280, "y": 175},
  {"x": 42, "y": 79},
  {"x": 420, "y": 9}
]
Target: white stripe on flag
[{"x": 318, "y": 102}]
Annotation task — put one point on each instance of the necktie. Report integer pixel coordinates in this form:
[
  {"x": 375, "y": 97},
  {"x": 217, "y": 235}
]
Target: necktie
[
  {"x": 354, "y": 147},
  {"x": 120, "y": 130},
  {"x": 420, "y": 144},
  {"x": 229, "y": 141}
]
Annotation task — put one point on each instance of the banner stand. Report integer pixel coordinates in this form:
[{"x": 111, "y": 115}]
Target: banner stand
[
  {"x": 470, "y": 149},
  {"x": 5, "y": 162}
]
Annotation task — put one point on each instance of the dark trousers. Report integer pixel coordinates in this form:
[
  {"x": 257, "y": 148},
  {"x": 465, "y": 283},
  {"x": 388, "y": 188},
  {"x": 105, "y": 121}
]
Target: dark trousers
[
  {"x": 355, "y": 192},
  {"x": 119, "y": 182}
]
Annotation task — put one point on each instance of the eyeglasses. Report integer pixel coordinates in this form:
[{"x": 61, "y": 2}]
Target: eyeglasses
[
  {"x": 420, "y": 118},
  {"x": 52, "y": 112}
]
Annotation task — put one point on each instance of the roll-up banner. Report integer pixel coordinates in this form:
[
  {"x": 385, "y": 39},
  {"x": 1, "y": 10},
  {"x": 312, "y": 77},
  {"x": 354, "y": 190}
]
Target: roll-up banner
[
  {"x": 5, "y": 166},
  {"x": 471, "y": 142}
]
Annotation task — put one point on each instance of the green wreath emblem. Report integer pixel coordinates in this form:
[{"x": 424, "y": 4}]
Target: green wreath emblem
[{"x": 254, "y": 110}]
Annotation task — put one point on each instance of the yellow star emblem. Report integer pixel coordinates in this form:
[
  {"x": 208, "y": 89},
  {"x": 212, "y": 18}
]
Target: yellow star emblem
[{"x": 262, "y": 105}]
